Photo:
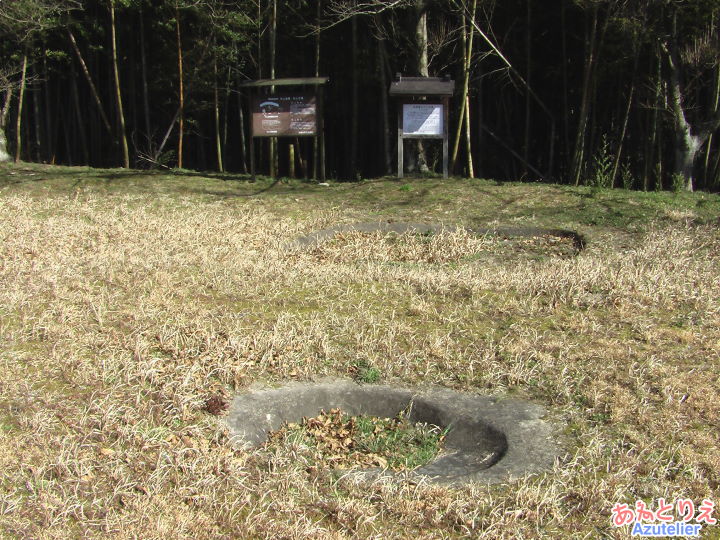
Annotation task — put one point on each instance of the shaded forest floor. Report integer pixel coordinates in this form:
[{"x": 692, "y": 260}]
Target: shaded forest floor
[{"x": 129, "y": 300}]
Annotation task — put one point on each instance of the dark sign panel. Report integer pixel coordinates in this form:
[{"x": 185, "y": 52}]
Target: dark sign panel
[{"x": 279, "y": 115}]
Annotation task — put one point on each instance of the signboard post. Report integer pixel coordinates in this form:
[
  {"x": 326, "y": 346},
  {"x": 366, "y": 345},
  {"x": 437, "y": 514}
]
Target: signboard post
[
  {"x": 287, "y": 113},
  {"x": 422, "y": 112}
]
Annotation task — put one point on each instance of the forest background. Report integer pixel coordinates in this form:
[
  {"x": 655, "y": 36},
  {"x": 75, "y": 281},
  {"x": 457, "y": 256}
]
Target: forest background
[{"x": 611, "y": 93}]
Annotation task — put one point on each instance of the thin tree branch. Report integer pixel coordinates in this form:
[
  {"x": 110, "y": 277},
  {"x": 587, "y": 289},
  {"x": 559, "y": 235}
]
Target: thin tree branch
[
  {"x": 94, "y": 91},
  {"x": 469, "y": 18}
]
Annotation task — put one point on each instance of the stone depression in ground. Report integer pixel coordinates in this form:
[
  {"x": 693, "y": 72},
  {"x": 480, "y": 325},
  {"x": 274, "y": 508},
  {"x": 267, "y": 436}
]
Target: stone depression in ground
[
  {"x": 393, "y": 227},
  {"x": 489, "y": 440}
]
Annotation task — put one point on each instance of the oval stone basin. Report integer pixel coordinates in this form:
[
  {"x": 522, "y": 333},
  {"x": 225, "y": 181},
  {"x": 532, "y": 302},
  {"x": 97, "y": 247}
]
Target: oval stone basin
[{"x": 489, "y": 440}]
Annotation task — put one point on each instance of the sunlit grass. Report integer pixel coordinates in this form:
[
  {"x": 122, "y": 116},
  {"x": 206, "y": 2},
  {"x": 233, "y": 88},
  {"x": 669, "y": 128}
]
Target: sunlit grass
[{"x": 124, "y": 307}]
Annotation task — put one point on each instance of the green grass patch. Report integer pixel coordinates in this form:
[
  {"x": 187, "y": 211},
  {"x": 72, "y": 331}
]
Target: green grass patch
[
  {"x": 473, "y": 202},
  {"x": 343, "y": 441}
]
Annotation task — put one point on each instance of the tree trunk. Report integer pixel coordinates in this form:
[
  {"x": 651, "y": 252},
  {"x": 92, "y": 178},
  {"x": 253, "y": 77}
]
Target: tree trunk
[
  {"x": 64, "y": 122},
  {"x": 143, "y": 67},
  {"x": 256, "y": 151},
  {"x": 37, "y": 141},
  {"x": 479, "y": 137},
  {"x": 421, "y": 38},
  {"x": 49, "y": 142},
  {"x": 93, "y": 89},
  {"x": 566, "y": 107},
  {"x": 241, "y": 127},
  {"x": 300, "y": 157},
  {"x": 579, "y": 153},
  {"x": 623, "y": 131},
  {"x": 274, "y": 159},
  {"x": 226, "y": 118},
  {"x": 18, "y": 126},
  {"x": 316, "y": 139},
  {"x": 715, "y": 107},
  {"x": 118, "y": 94},
  {"x": 686, "y": 149},
  {"x": 417, "y": 158},
  {"x": 688, "y": 142},
  {"x": 355, "y": 107},
  {"x": 468, "y": 138},
  {"x": 657, "y": 104},
  {"x": 464, "y": 116},
  {"x": 79, "y": 116},
  {"x": 463, "y": 101},
  {"x": 4, "y": 156},
  {"x": 384, "y": 111},
  {"x": 528, "y": 73},
  {"x": 716, "y": 180},
  {"x": 626, "y": 119},
  {"x": 181, "y": 88},
  {"x": 216, "y": 106}
]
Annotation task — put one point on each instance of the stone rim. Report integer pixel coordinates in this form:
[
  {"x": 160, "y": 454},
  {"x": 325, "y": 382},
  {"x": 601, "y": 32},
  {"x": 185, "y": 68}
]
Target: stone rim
[
  {"x": 320, "y": 236},
  {"x": 491, "y": 440}
]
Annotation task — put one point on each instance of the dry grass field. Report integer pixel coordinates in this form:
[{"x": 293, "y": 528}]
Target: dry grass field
[{"x": 129, "y": 300}]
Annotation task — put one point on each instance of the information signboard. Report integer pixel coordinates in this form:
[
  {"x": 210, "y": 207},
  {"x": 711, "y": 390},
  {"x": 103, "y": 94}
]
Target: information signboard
[
  {"x": 279, "y": 115},
  {"x": 423, "y": 119}
]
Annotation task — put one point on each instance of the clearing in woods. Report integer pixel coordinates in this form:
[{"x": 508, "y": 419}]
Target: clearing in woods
[{"x": 132, "y": 305}]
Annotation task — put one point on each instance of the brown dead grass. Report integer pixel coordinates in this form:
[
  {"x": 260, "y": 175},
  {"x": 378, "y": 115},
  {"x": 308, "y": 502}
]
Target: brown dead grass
[
  {"x": 122, "y": 316},
  {"x": 445, "y": 247}
]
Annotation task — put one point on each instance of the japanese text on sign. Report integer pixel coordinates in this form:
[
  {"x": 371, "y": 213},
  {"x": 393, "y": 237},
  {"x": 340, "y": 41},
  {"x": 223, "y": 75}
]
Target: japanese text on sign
[
  {"x": 280, "y": 115},
  {"x": 422, "y": 119}
]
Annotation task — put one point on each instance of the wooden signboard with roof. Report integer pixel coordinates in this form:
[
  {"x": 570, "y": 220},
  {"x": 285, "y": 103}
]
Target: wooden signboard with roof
[
  {"x": 423, "y": 104},
  {"x": 287, "y": 112}
]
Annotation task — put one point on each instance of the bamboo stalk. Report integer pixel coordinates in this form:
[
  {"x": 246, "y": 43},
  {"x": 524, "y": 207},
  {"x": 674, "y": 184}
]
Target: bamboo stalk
[
  {"x": 218, "y": 141},
  {"x": 181, "y": 89},
  {"x": 93, "y": 89},
  {"x": 118, "y": 94},
  {"x": 579, "y": 152},
  {"x": 468, "y": 139},
  {"x": 21, "y": 96}
]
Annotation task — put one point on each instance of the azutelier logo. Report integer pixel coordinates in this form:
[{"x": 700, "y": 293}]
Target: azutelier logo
[{"x": 678, "y": 519}]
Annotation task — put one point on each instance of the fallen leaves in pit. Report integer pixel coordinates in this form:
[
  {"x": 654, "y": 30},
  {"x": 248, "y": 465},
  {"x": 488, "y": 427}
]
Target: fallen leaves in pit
[
  {"x": 216, "y": 405},
  {"x": 549, "y": 245},
  {"x": 351, "y": 442}
]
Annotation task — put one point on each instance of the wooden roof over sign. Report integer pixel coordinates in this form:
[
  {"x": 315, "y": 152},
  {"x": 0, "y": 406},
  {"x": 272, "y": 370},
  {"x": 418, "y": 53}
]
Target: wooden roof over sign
[
  {"x": 422, "y": 86},
  {"x": 300, "y": 81}
]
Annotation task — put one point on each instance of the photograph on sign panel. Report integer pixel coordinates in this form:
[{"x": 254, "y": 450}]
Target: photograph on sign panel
[{"x": 281, "y": 115}]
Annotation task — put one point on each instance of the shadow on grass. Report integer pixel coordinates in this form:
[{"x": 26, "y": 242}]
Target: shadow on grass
[{"x": 114, "y": 180}]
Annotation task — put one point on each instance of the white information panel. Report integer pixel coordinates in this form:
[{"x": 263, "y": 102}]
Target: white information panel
[{"x": 422, "y": 119}]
